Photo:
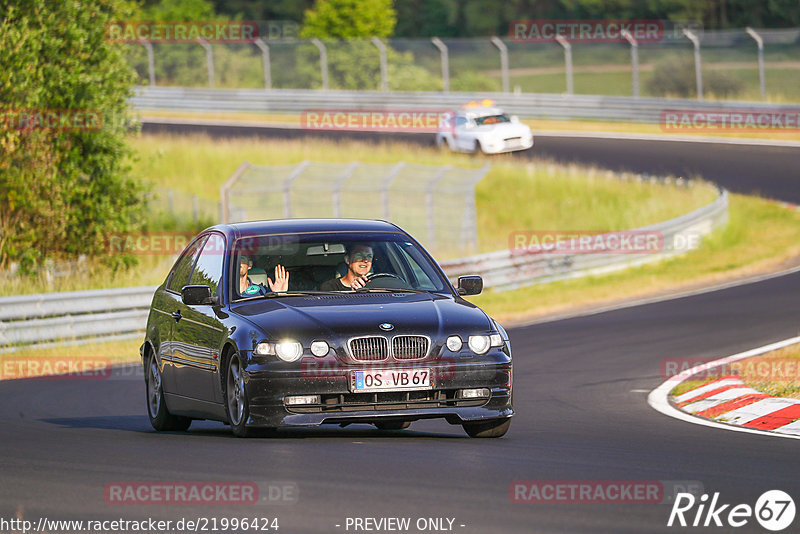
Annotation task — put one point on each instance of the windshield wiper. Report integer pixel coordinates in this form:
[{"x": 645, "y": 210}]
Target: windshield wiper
[{"x": 389, "y": 290}]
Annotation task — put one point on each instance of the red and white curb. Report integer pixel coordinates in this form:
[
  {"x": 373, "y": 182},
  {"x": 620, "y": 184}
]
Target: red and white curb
[
  {"x": 729, "y": 400},
  {"x": 728, "y": 403}
]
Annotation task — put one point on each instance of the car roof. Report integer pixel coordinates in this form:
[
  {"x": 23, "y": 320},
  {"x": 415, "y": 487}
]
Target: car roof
[
  {"x": 279, "y": 226},
  {"x": 482, "y": 112}
]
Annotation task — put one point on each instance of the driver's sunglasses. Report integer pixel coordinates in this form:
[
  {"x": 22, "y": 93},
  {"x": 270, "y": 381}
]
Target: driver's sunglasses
[{"x": 362, "y": 256}]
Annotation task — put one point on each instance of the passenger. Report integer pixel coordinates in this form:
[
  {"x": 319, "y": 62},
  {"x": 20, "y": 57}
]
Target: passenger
[
  {"x": 247, "y": 288},
  {"x": 359, "y": 263}
]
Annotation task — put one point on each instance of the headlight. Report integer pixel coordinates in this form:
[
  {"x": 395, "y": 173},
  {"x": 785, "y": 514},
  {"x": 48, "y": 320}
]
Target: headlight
[
  {"x": 265, "y": 349},
  {"x": 454, "y": 343},
  {"x": 319, "y": 348},
  {"x": 479, "y": 344},
  {"x": 496, "y": 340},
  {"x": 289, "y": 350}
]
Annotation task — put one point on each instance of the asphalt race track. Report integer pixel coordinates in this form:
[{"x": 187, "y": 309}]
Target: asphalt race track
[{"x": 580, "y": 396}]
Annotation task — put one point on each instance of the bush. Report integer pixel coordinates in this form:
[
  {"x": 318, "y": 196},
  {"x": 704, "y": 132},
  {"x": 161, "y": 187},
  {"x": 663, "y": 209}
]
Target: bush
[
  {"x": 63, "y": 188},
  {"x": 675, "y": 77}
]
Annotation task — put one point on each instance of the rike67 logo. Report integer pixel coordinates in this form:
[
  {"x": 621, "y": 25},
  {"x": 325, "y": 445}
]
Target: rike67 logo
[{"x": 774, "y": 510}]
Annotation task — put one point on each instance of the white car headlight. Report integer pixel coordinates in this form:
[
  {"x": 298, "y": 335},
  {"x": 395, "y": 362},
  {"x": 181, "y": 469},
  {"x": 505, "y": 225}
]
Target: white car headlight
[
  {"x": 454, "y": 343},
  {"x": 479, "y": 344},
  {"x": 288, "y": 350}
]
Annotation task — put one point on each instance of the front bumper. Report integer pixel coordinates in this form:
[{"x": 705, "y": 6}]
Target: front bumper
[{"x": 268, "y": 385}]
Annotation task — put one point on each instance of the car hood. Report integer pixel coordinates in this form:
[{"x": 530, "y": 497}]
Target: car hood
[
  {"x": 337, "y": 317},
  {"x": 504, "y": 129}
]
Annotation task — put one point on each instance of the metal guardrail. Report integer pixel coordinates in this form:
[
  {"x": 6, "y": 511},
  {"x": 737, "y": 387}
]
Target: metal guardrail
[
  {"x": 73, "y": 314},
  {"x": 539, "y": 106},
  {"x": 97, "y": 313}
]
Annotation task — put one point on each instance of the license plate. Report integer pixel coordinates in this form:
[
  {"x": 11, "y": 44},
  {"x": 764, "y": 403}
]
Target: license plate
[{"x": 390, "y": 380}]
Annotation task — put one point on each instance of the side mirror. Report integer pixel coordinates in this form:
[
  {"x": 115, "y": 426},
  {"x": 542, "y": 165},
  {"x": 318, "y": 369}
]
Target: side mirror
[
  {"x": 514, "y": 118},
  {"x": 470, "y": 285},
  {"x": 195, "y": 295}
]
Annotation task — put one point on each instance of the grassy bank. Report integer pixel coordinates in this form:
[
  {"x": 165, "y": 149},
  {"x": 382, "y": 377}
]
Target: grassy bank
[{"x": 740, "y": 249}]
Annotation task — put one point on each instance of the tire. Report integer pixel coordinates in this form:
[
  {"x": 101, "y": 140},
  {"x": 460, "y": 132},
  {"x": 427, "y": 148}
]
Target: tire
[
  {"x": 237, "y": 407},
  {"x": 393, "y": 425},
  {"x": 494, "y": 428},
  {"x": 157, "y": 412}
]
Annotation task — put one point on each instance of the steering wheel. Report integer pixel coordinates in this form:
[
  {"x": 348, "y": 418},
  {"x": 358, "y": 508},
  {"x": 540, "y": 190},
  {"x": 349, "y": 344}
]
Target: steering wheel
[{"x": 390, "y": 277}]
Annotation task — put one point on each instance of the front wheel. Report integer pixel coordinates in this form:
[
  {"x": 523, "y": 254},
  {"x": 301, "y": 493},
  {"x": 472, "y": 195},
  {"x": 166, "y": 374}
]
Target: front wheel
[
  {"x": 157, "y": 411},
  {"x": 236, "y": 399},
  {"x": 494, "y": 428}
]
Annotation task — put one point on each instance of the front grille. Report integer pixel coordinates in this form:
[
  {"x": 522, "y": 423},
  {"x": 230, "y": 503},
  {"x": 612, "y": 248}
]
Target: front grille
[
  {"x": 369, "y": 349},
  {"x": 409, "y": 347},
  {"x": 389, "y": 400}
]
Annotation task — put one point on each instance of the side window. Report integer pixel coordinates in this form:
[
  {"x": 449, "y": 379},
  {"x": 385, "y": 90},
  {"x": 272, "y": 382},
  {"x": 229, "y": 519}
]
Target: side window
[
  {"x": 208, "y": 270},
  {"x": 180, "y": 273}
]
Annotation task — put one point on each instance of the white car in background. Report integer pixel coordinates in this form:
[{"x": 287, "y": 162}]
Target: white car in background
[{"x": 483, "y": 127}]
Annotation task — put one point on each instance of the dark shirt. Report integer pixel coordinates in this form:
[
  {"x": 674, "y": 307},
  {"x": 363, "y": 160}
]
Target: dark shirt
[{"x": 334, "y": 285}]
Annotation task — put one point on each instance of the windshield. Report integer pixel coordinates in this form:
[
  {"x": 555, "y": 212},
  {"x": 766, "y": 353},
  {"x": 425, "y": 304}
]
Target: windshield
[
  {"x": 302, "y": 263},
  {"x": 492, "y": 119}
]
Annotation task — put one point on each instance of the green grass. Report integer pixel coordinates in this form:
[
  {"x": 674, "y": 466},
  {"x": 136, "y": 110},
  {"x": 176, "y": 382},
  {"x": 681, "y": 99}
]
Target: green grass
[
  {"x": 760, "y": 236},
  {"x": 512, "y": 197}
]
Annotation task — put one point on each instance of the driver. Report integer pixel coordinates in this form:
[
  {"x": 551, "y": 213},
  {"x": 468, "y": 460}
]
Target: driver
[{"x": 359, "y": 262}]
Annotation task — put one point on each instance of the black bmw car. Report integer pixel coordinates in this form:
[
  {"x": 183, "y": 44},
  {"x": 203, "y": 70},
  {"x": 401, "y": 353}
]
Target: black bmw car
[{"x": 306, "y": 322}]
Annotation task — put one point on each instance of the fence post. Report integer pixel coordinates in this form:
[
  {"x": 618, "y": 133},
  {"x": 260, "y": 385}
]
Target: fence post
[
  {"x": 634, "y": 61},
  {"x": 209, "y": 60},
  {"x": 223, "y": 191},
  {"x": 323, "y": 60},
  {"x": 503, "y": 60},
  {"x": 445, "y": 63},
  {"x": 429, "y": 207},
  {"x": 287, "y": 187},
  {"x": 567, "y": 61},
  {"x": 385, "y": 183},
  {"x": 265, "y": 61},
  {"x": 698, "y": 70},
  {"x": 761, "y": 78},
  {"x": 384, "y": 66},
  {"x": 337, "y": 189},
  {"x": 151, "y": 63}
]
